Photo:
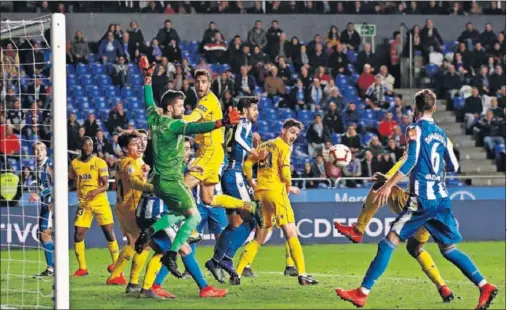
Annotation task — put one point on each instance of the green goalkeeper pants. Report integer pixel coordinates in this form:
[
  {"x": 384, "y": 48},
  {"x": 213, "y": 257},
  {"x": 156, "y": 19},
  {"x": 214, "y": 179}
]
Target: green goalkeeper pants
[{"x": 175, "y": 194}]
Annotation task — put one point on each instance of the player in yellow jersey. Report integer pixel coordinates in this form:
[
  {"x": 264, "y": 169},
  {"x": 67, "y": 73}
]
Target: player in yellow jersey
[
  {"x": 91, "y": 176},
  {"x": 397, "y": 202},
  {"x": 131, "y": 182},
  {"x": 272, "y": 190}
]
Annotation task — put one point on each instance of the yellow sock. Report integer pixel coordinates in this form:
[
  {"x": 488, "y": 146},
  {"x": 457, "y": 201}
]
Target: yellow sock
[
  {"x": 367, "y": 212},
  {"x": 227, "y": 202},
  {"x": 296, "y": 251},
  {"x": 429, "y": 268},
  {"x": 114, "y": 250},
  {"x": 125, "y": 256},
  {"x": 79, "y": 248},
  {"x": 248, "y": 256},
  {"x": 151, "y": 271},
  {"x": 137, "y": 265},
  {"x": 288, "y": 259}
]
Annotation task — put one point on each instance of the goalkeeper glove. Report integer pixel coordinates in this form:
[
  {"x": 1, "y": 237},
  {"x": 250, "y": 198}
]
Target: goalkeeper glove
[
  {"x": 147, "y": 69},
  {"x": 231, "y": 119}
]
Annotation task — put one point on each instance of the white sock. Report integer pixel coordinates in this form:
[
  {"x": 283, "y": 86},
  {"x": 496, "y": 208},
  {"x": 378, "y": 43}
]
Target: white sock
[
  {"x": 482, "y": 283},
  {"x": 364, "y": 290}
]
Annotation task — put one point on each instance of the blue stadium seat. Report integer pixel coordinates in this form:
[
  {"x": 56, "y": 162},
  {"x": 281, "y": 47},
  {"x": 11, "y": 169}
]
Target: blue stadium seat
[
  {"x": 111, "y": 91},
  {"x": 341, "y": 80},
  {"x": 351, "y": 68},
  {"x": 259, "y": 90},
  {"x": 82, "y": 69},
  {"x": 77, "y": 91},
  {"x": 265, "y": 103},
  {"x": 87, "y": 79},
  {"x": 380, "y": 114},
  {"x": 98, "y": 68},
  {"x": 500, "y": 150},
  {"x": 366, "y": 138},
  {"x": 271, "y": 116},
  {"x": 100, "y": 103},
  {"x": 292, "y": 68},
  {"x": 133, "y": 68},
  {"x": 286, "y": 113},
  {"x": 354, "y": 77},
  {"x": 85, "y": 113},
  {"x": 133, "y": 103},
  {"x": 85, "y": 105},
  {"x": 71, "y": 80},
  {"x": 70, "y": 103},
  {"x": 336, "y": 138},
  {"x": 136, "y": 79},
  {"x": 92, "y": 58},
  {"x": 128, "y": 91},
  {"x": 103, "y": 80},
  {"x": 351, "y": 56},
  {"x": 431, "y": 70},
  {"x": 299, "y": 163},
  {"x": 458, "y": 102},
  {"x": 266, "y": 112},
  {"x": 449, "y": 46},
  {"x": 71, "y": 69},
  {"x": 114, "y": 99},
  {"x": 223, "y": 68},
  {"x": 94, "y": 91},
  {"x": 276, "y": 99},
  {"x": 305, "y": 115}
]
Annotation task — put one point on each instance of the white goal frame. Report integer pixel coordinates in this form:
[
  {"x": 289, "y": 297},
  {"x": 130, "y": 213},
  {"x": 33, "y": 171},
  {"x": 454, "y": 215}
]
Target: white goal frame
[{"x": 56, "y": 23}]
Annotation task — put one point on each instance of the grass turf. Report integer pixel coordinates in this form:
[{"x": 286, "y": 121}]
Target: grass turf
[{"x": 403, "y": 285}]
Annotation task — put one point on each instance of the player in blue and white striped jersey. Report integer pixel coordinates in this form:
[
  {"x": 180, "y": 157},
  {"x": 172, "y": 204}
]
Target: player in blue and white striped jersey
[
  {"x": 429, "y": 204},
  {"x": 43, "y": 195}
]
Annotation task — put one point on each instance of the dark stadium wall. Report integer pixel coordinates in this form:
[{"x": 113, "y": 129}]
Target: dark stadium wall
[
  {"x": 479, "y": 220},
  {"x": 191, "y": 27}
]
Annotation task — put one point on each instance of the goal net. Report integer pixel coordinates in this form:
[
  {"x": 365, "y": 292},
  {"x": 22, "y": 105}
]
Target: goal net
[{"x": 34, "y": 268}]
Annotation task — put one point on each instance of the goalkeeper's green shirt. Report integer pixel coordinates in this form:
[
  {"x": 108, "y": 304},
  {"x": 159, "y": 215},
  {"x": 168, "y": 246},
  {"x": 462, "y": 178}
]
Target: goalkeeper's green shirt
[{"x": 168, "y": 139}]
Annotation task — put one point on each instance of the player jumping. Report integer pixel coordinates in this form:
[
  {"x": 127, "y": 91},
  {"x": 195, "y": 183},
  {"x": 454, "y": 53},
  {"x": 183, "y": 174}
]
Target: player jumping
[
  {"x": 272, "y": 189},
  {"x": 92, "y": 176},
  {"x": 428, "y": 205},
  {"x": 43, "y": 195}
]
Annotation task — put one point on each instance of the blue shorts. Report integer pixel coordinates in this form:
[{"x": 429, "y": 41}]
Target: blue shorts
[
  {"x": 214, "y": 217},
  {"x": 45, "y": 218},
  {"x": 435, "y": 215},
  {"x": 164, "y": 238}
]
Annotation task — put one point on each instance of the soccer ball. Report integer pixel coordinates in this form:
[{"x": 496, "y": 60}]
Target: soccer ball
[{"x": 340, "y": 155}]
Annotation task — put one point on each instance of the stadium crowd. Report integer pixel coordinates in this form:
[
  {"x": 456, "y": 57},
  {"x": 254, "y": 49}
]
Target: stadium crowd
[{"x": 339, "y": 88}]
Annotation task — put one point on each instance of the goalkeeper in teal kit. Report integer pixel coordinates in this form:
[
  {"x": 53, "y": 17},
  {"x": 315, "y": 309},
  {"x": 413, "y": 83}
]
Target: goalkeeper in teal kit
[{"x": 168, "y": 136}]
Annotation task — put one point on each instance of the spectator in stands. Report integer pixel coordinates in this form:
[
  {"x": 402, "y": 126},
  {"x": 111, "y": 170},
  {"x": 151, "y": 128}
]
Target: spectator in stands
[
  {"x": 497, "y": 111},
  {"x": 338, "y": 61},
  {"x": 335, "y": 98},
  {"x": 129, "y": 48},
  {"x": 220, "y": 85},
  {"x": 244, "y": 85},
  {"x": 9, "y": 142},
  {"x": 394, "y": 149},
  {"x": 432, "y": 9},
  {"x": 317, "y": 135},
  {"x": 318, "y": 57},
  {"x": 352, "y": 139},
  {"x": 227, "y": 101},
  {"x": 35, "y": 59},
  {"x": 16, "y": 117},
  {"x": 281, "y": 48},
  {"x": 350, "y": 37},
  {"x": 365, "y": 80},
  {"x": 273, "y": 84},
  {"x": 311, "y": 46},
  {"x": 430, "y": 36},
  {"x": 387, "y": 79},
  {"x": 475, "y": 9},
  {"x": 386, "y": 126},
  {"x": 490, "y": 130},
  {"x": 159, "y": 82},
  {"x": 472, "y": 109},
  {"x": 333, "y": 120},
  {"x": 91, "y": 126},
  {"x": 80, "y": 50},
  {"x": 170, "y": 69},
  {"x": 167, "y": 34},
  {"x": 27, "y": 179},
  {"x": 501, "y": 97},
  {"x": 72, "y": 129},
  {"x": 315, "y": 94},
  {"x": 488, "y": 37},
  {"x": 215, "y": 52},
  {"x": 118, "y": 119},
  {"x": 399, "y": 137},
  {"x": 479, "y": 56},
  {"x": 273, "y": 37},
  {"x": 257, "y": 36},
  {"x": 298, "y": 97},
  {"x": 499, "y": 48},
  {"x": 333, "y": 36},
  {"x": 136, "y": 35},
  {"x": 101, "y": 146},
  {"x": 326, "y": 149},
  {"x": 258, "y": 58},
  {"x": 469, "y": 36},
  {"x": 353, "y": 169},
  {"x": 173, "y": 52},
  {"x": 178, "y": 78},
  {"x": 452, "y": 81},
  {"x": 10, "y": 98},
  {"x": 351, "y": 116},
  {"x": 309, "y": 173},
  {"x": 385, "y": 162},
  {"x": 190, "y": 95},
  {"x": 481, "y": 81},
  {"x": 118, "y": 33},
  {"x": 233, "y": 50},
  {"x": 497, "y": 80},
  {"x": 37, "y": 91},
  {"x": 319, "y": 167},
  {"x": 328, "y": 89},
  {"x": 395, "y": 53},
  {"x": 110, "y": 49},
  {"x": 152, "y": 7},
  {"x": 115, "y": 147},
  {"x": 369, "y": 165},
  {"x": 283, "y": 70},
  {"x": 378, "y": 91},
  {"x": 493, "y": 9},
  {"x": 120, "y": 73},
  {"x": 366, "y": 56},
  {"x": 375, "y": 146}
]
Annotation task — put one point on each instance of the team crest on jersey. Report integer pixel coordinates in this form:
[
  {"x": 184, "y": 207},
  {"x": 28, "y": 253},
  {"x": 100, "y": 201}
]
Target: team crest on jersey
[
  {"x": 241, "y": 184},
  {"x": 131, "y": 170},
  {"x": 92, "y": 167}
]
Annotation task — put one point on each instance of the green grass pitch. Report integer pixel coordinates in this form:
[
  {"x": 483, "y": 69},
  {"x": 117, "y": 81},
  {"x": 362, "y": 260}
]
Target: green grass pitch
[{"x": 403, "y": 285}]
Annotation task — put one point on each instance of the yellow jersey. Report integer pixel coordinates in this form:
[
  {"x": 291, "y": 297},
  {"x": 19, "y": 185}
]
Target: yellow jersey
[
  {"x": 396, "y": 166},
  {"x": 129, "y": 169},
  {"x": 208, "y": 109},
  {"x": 88, "y": 176},
  {"x": 274, "y": 172}
]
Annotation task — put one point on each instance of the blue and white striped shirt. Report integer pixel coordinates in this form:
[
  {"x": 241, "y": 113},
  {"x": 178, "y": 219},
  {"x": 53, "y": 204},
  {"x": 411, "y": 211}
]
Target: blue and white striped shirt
[{"x": 239, "y": 143}]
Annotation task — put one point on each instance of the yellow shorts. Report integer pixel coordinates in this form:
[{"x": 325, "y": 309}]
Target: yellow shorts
[
  {"x": 276, "y": 208},
  {"x": 397, "y": 202},
  {"x": 211, "y": 160},
  {"x": 127, "y": 219},
  {"x": 84, "y": 215}
]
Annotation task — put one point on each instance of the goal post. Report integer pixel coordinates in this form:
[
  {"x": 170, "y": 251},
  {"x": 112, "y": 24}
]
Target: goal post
[{"x": 60, "y": 171}]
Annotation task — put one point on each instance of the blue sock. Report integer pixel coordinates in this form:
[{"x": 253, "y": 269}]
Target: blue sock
[
  {"x": 379, "y": 263},
  {"x": 192, "y": 266},
  {"x": 239, "y": 237},
  {"x": 49, "y": 248},
  {"x": 223, "y": 243},
  {"x": 193, "y": 246},
  {"x": 464, "y": 263},
  {"x": 161, "y": 275}
]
